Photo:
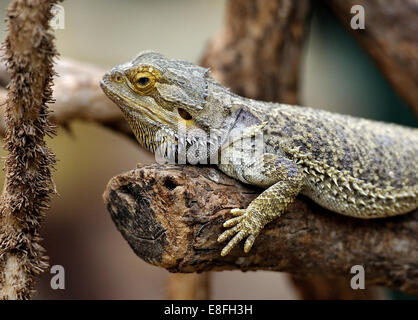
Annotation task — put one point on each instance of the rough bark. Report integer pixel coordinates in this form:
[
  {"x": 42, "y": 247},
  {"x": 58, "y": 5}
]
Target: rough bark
[
  {"x": 171, "y": 217},
  {"x": 391, "y": 39}
]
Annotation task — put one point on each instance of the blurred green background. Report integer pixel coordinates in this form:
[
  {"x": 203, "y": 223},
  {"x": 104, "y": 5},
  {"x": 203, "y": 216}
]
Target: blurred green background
[{"x": 79, "y": 234}]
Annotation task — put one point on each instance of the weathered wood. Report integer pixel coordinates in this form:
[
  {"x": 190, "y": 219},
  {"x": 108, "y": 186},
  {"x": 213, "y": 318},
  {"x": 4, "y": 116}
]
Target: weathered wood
[
  {"x": 172, "y": 215},
  {"x": 391, "y": 39}
]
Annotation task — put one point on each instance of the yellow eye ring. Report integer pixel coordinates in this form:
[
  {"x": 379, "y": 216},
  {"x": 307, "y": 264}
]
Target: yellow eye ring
[{"x": 144, "y": 79}]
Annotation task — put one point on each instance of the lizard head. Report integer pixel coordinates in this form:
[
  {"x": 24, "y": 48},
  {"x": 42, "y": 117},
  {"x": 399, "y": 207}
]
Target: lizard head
[{"x": 158, "y": 94}]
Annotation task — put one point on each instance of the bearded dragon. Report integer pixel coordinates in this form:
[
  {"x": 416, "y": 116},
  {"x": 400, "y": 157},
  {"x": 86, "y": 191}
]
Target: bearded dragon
[{"x": 351, "y": 166}]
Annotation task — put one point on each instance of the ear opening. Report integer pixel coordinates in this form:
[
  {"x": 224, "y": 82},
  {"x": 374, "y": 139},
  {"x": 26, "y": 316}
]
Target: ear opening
[{"x": 184, "y": 114}]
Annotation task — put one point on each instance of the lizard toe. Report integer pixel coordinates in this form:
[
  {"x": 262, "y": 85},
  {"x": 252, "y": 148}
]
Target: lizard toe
[
  {"x": 233, "y": 221},
  {"x": 238, "y": 212},
  {"x": 242, "y": 227},
  {"x": 249, "y": 242},
  {"x": 233, "y": 242},
  {"x": 228, "y": 233}
]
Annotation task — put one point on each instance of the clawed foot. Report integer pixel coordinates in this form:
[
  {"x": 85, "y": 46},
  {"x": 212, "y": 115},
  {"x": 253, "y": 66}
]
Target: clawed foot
[{"x": 243, "y": 226}]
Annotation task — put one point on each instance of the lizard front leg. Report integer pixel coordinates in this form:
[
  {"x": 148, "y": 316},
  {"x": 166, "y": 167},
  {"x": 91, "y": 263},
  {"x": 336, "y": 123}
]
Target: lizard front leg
[{"x": 284, "y": 180}]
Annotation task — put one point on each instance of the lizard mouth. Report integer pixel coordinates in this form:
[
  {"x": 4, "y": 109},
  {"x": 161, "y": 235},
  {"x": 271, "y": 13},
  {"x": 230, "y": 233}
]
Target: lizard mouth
[{"x": 129, "y": 105}]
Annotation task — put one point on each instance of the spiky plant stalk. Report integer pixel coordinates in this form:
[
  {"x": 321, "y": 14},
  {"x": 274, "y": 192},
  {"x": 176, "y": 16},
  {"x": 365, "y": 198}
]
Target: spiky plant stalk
[{"x": 29, "y": 51}]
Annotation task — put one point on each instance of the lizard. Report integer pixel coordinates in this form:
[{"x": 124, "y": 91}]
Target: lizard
[{"x": 352, "y": 166}]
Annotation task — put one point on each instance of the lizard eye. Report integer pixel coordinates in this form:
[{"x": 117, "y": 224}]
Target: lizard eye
[{"x": 144, "y": 82}]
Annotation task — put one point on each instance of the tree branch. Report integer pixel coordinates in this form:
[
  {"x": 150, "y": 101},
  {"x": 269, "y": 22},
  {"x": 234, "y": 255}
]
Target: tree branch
[
  {"x": 172, "y": 215},
  {"x": 78, "y": 96},
  {"x": 29, "y": 52}
]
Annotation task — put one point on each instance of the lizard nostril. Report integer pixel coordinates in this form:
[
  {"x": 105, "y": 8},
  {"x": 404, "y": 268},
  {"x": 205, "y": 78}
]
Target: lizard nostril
[{"x": 117, "y": 77}]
